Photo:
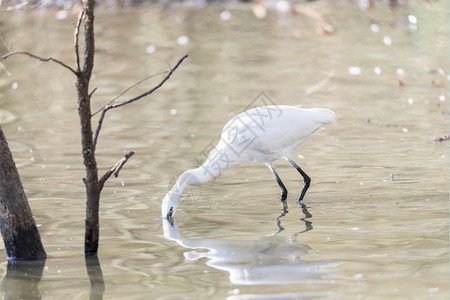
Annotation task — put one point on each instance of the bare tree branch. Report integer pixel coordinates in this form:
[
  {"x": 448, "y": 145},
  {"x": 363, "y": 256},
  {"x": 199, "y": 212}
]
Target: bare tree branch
[
  {"x": 111, "y": 106},
  {"x": 153, "y": 89},
  {"x": 76, "y": 34},
  {"x": 105, "y": 108},
  {"x": 127, "y": 89},
  {"x": 99, "y": 125},
  {"x": 91, "y": 93},
  {"x": 39, "y": 58},
  {"x": 115, "y": 169}
]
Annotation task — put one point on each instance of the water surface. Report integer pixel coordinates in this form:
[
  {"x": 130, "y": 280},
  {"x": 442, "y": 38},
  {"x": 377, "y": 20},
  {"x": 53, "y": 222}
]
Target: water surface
[{"x": 374, "y": 223}]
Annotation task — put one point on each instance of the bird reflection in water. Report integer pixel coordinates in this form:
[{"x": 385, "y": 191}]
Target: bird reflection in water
[
  {"x": 284, "y": 211},
  {"x": 271, "y": 259}
]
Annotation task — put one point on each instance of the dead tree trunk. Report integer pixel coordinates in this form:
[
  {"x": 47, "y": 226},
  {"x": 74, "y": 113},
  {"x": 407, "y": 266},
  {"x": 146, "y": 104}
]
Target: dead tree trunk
[
  {"x": 88, "y": 150},
  {"x": 19, "y": 231},
  {"x": 93, "y": 184}
]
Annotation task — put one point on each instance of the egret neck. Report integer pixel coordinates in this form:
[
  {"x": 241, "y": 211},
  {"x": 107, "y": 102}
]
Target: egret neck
[{"x": 200, "y": 175}]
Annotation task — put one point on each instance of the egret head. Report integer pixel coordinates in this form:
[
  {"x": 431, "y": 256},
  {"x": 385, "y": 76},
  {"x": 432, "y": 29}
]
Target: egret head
[
  {"x": 171, "y": 199},
  {"x": 169, "y": 204}
]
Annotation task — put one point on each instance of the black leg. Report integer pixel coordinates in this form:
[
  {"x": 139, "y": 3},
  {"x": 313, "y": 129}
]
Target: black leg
[
  {"x": 284, "y": 191},
  {"x": 306, "y": 180}
]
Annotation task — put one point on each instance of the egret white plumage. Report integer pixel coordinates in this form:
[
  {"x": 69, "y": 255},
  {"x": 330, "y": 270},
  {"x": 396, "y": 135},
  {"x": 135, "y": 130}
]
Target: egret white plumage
[{"x": 261, "y": 135}]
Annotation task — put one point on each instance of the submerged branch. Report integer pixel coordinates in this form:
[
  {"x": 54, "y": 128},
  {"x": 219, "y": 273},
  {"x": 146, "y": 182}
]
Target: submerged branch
[{"x": 440, "y": 139}]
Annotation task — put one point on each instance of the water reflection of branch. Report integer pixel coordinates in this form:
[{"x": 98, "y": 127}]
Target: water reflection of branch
[
  {"x": 95, "y": 273},
  {"x": 22, "y": 279}
]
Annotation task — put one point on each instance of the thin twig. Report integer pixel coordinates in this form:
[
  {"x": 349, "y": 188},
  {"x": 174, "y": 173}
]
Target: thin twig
[
  {"x": 99, "y": 126},
  {"x": 127, "y": 89},
  {"x": 111, "y": 106},
  {"x": 8, "y": 46},
  {"x": 320, "y": 84},
  {"x": 76, "y": 34},
  {"x": 2, "y": 66},
  {"x": 91, "y": 93},
  {"x": 153, "y": 89},
  {"x": 115, "y": 169},
  {"x": 39, "y": 58}
]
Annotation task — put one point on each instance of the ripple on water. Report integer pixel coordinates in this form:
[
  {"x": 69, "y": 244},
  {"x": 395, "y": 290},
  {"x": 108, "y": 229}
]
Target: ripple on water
[{"x": 6, "y": 116}]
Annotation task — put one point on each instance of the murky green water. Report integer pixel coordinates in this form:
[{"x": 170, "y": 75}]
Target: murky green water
[{"x": 374, "y": 223}]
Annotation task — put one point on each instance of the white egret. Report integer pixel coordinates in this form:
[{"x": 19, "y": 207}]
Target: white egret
[{"x": 261, "y": 135}]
